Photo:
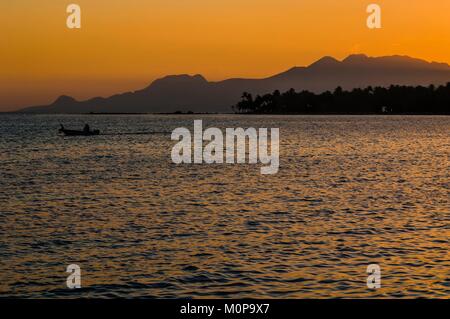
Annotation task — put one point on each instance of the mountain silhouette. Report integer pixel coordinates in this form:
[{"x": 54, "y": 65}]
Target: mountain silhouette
[{"x": 194, "y": 93}]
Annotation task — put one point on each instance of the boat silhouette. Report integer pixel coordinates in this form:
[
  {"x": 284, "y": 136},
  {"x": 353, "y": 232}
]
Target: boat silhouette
[{"x": 85, "y": 132}]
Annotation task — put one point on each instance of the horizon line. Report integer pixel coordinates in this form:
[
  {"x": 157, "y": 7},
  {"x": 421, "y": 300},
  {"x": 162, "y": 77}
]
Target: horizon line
[{"x": 150, "y": 82}]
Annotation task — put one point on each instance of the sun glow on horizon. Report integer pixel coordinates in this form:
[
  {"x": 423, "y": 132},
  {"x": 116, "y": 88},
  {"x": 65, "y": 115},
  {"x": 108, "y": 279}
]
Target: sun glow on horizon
[{"x": 124, "y": 45}]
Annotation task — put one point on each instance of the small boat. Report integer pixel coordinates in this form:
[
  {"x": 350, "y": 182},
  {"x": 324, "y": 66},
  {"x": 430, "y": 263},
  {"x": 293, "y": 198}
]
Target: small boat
[{"x": 78, "y": 133}]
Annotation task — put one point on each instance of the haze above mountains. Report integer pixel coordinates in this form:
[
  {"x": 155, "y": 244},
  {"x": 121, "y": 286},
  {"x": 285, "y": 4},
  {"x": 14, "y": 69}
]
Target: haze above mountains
[{"x": 194, "y": 93}]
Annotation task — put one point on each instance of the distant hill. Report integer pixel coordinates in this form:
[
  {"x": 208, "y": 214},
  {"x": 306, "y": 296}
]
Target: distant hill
[{"x": 195, "y": 93}]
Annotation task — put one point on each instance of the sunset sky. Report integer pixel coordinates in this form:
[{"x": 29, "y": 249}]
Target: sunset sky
[{"x": 125, "y": 44}]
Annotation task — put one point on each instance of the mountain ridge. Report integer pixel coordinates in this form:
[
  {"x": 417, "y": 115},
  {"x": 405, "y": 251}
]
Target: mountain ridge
[{"x": 195, "y": 93}]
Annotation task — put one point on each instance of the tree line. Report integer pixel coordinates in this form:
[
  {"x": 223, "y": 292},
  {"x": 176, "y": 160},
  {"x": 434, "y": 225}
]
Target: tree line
[{"x": 395, "y": 99}]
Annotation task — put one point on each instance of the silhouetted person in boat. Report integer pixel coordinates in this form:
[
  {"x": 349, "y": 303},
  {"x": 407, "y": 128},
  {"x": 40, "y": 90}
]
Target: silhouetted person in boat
[
  {"x": 86, "y": 128},
  {"x": 62, "y": 128}
]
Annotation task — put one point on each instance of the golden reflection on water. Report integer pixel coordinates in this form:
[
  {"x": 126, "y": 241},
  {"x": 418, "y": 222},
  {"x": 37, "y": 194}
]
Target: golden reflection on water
[{"x": 351, "y": 191}]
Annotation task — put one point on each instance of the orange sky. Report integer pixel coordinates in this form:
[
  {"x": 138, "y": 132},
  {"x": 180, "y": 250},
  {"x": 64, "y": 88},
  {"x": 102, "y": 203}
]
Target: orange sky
[{"x": 125, "y": 44}]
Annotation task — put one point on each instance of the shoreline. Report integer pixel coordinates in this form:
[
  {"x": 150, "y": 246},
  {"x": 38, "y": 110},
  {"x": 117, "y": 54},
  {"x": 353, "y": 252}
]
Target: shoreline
[{"x": 215, "y": 113}]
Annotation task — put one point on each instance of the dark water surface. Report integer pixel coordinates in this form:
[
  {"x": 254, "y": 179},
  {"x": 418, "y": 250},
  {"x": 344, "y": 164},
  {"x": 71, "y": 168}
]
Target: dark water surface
[{"x": 351, "y": 191}]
